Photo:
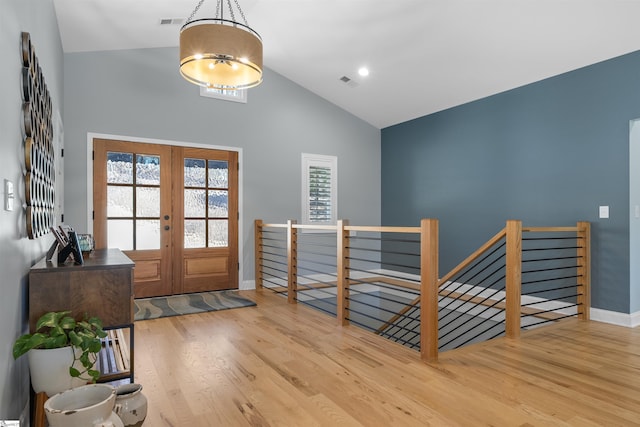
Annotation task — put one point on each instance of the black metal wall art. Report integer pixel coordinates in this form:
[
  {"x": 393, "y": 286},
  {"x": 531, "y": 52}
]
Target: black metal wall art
[{"x": 38, "y": 144}]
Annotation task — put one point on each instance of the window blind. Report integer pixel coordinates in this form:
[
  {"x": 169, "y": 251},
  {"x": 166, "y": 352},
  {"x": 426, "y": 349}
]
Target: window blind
[{"x": 319, "y": 194}]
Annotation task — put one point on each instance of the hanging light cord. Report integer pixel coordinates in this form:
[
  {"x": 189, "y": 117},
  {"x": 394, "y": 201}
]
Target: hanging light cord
[
  {"x": 240, "y": 10},
  {"x": 190, "y": 18},
  {"x": 220, "y": 11}
]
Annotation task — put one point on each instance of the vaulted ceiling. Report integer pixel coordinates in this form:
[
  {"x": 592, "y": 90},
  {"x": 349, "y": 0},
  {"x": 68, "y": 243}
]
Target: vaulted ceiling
[{"x": 423, "y": 55}]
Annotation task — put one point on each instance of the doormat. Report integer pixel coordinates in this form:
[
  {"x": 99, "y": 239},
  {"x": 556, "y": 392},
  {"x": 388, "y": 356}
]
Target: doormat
[{"x": 176, "y": 305}]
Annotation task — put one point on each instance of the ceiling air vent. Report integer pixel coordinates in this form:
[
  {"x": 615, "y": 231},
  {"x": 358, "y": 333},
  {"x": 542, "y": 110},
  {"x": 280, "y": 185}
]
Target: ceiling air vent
[
  {"x": 171, "y": 21},
  {"x": 348, "y": 81}
]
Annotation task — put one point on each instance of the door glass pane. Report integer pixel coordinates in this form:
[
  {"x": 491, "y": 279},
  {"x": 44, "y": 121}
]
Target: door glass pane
[
  {"x": 147, "y": 169},
  {"x": 119, "y": 168},
  {"x": 194, "y": 173},
  {"x": 148, "y": 202},
  {"x": 120, "y": 234},
  {"x": 194, "y": 203},
  {"x": 218, "y": 174},
  {"x": 119, "y": 201},
  {"x": 194, "y": 233},
  {"x": 218, "y": 204},
  {"x": 218, "y": 233},
  {"x": 147, "y": 234}
]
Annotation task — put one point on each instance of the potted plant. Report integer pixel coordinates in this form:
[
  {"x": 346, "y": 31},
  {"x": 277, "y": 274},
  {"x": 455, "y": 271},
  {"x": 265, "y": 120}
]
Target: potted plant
[{"x": 77, "y": 343}]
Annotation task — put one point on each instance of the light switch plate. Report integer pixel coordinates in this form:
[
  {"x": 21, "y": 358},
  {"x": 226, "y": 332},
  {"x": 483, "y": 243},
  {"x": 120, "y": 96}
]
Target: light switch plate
[
  {"x": 604, "y": 211},
  {"x": 8, "y": 195}
]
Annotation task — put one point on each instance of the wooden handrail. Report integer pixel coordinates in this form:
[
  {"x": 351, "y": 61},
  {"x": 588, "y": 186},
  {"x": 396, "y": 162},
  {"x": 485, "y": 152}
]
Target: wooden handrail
[
  {"x": 266, "y": 225},
  {"x": 315, "y": 227}
]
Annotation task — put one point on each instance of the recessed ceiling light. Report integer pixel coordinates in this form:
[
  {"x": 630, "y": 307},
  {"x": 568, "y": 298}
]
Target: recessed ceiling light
[{"x": 363, "y": 71}]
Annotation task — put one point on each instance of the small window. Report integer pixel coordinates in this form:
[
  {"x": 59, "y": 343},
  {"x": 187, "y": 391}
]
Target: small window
[
  {"x": 224, "y": 94},
  {"x": 319, "y": 189}
]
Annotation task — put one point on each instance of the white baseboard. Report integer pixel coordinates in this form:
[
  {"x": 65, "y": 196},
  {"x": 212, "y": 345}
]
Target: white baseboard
[
  {"x": 615, "y": 318},
  {"x": 247, "y": 285}
]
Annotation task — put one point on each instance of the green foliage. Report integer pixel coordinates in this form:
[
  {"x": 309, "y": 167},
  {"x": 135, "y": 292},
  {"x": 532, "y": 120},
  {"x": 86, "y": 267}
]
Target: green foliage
[{"x": 59, "y": 329}]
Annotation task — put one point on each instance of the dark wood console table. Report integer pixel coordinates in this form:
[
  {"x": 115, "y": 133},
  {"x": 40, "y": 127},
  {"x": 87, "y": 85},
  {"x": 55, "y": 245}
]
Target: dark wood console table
[{"x": 102, "y": 287}]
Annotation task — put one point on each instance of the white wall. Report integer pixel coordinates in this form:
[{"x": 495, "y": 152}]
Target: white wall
[{"x": 17, "y": 252}]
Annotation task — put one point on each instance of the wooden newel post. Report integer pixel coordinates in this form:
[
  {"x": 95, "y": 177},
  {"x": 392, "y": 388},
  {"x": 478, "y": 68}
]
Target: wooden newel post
[
  {"x": 292, "y": 262},
  {"x": 514, "y": 278},
  {"x": 343, "y": 271},
  {"x": 584, "y": 269},
  {"x": 429, "y": 290},
  {"x": 257, "y": 257}
]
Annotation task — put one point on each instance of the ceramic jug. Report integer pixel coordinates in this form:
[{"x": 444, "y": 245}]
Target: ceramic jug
[{"x": 131, "y": 405}]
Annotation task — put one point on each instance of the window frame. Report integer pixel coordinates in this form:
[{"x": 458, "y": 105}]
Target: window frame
[
  {"x": 225, "y": 95},
  {"x": 324, "y": 161}
]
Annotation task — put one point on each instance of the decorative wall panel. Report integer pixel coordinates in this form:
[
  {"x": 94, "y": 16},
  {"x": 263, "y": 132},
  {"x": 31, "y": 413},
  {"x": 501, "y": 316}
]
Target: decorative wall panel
[{"x": 38, "y": 144}]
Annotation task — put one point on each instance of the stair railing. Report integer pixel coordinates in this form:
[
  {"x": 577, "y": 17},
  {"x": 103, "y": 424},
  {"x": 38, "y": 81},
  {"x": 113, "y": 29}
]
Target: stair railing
[{"x": 488, "y": 283}]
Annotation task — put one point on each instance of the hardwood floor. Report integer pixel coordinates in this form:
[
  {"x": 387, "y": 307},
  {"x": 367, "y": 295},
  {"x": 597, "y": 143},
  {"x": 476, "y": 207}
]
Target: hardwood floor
[{"x": 286, "y": 365}]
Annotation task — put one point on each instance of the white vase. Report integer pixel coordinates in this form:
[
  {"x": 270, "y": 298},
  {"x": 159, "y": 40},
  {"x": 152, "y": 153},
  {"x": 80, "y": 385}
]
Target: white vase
[
  {"x": 131, "y": 405},
  {"x": 85, "y": 406},
  {"x": 49, "y": 370}
]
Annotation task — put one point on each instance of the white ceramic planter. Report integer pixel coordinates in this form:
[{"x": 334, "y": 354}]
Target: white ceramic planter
[
  {"x": 86, "y": 406},
  {"x": 50, "y": 370}
]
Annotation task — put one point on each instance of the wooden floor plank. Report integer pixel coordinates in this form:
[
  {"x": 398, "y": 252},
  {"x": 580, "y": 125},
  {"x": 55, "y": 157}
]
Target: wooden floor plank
[{"x": 279, "y": 364}]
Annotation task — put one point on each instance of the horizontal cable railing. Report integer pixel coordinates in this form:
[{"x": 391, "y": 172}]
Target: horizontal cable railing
[
  {"x": 385, "y": 279},
  {"x": 554, "y": 266},
  {"x": 316, "y": 273},
  {"x": 383, "y": 275},
  {"x": 271, "y": 259}
]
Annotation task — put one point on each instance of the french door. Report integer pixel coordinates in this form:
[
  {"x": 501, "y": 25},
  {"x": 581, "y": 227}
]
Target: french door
[{"x": 172, "y": 210}]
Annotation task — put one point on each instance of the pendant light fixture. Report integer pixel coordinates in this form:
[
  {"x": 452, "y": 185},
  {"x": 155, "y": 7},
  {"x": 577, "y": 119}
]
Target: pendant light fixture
[{"x": 220, "y": 53}]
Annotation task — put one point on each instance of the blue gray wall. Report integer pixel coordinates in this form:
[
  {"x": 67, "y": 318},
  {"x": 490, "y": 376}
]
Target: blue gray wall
[
  {"x": 548, "y": 153},
  {"x": 140, "y": 93},
  {"x": 17, "y": 252}
]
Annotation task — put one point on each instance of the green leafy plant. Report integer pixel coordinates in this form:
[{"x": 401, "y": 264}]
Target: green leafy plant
[{"x": 59, "y": 329}]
